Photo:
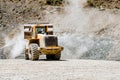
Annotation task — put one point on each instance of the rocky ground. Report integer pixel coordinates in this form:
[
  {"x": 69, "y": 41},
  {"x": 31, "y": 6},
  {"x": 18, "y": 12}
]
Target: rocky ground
[{"x": 21, "y": 69}]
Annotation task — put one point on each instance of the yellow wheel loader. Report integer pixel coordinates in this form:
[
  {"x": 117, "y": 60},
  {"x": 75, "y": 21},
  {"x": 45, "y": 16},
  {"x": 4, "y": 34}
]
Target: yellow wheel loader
[{"x": 40, "y": 40}]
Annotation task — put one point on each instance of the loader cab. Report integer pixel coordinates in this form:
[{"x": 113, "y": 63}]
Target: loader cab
[
  {"x": 44, "y": 29},
  {"x": 40, "y": 30},
  {"x": 32, "y": 30}
]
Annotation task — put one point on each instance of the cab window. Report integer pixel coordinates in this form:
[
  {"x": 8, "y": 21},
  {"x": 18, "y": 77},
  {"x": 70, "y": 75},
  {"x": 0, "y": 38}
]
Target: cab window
[{"x": 40, "y": 30}]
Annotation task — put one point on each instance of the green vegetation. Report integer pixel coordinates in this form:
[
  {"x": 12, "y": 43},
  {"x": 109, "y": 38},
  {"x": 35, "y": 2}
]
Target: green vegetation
[
  {"x": 110, "y": 4},
  {"x": 54, "y": 2}
]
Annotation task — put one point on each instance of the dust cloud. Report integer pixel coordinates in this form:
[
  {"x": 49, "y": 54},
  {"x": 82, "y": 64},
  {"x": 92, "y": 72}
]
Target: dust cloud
[{"x": 14, "y": 47}]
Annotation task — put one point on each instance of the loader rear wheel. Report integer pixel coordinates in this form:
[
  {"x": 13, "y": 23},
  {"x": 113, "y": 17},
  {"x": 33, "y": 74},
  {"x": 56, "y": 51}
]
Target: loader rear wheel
[
  {"x": 34, "y": 51},
  {"x": 57, "y": 56},
  {"x": 53, "y": 57},
  {"x": 26, "y": 54},
  {"x": 49, "y": 57}
]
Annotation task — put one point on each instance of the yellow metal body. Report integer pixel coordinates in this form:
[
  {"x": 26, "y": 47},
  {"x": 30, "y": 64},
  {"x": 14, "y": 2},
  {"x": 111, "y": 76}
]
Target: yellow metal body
[{"x": 51, "y": 50}]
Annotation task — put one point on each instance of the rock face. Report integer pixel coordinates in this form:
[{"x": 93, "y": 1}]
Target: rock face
[
  {"x": 15, "y": 12},
  {"x": 18, "y": 11},
  {"x": 110, "y": 4}
]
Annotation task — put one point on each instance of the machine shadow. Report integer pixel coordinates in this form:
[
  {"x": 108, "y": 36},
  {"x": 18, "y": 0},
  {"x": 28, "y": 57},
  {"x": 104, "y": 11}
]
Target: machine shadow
[{"x": 51, "y": 60}]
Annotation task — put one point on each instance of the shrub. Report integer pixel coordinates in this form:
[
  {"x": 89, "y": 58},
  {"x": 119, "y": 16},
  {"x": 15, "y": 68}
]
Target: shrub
[
  {"x": 54, "y": 2},
  {"x": 110, "y": 4}
]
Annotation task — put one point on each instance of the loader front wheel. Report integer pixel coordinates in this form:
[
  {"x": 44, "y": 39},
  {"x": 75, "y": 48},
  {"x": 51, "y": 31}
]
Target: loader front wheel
[{"x": 34, "y": 51}]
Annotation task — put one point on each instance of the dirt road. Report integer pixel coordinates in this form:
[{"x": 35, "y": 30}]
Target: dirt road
[{"x": 20, "y": 69}]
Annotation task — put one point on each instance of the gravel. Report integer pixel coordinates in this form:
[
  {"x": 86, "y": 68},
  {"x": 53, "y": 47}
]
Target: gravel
[{"x": 71, "y": 69}]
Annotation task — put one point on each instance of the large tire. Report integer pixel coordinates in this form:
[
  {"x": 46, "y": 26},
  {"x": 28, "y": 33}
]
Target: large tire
[
  {"x": 49, "y": 57},
  {"x": 57, "y": 56},
  {"x": 53, "y": 57},
  {"x": 34, "y": 51},
  {"x": 26, "y": 55}
]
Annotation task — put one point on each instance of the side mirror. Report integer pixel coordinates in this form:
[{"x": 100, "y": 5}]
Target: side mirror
[
  {"x": 27, "y": 32},
  {"x": 50, "y": 30}
]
